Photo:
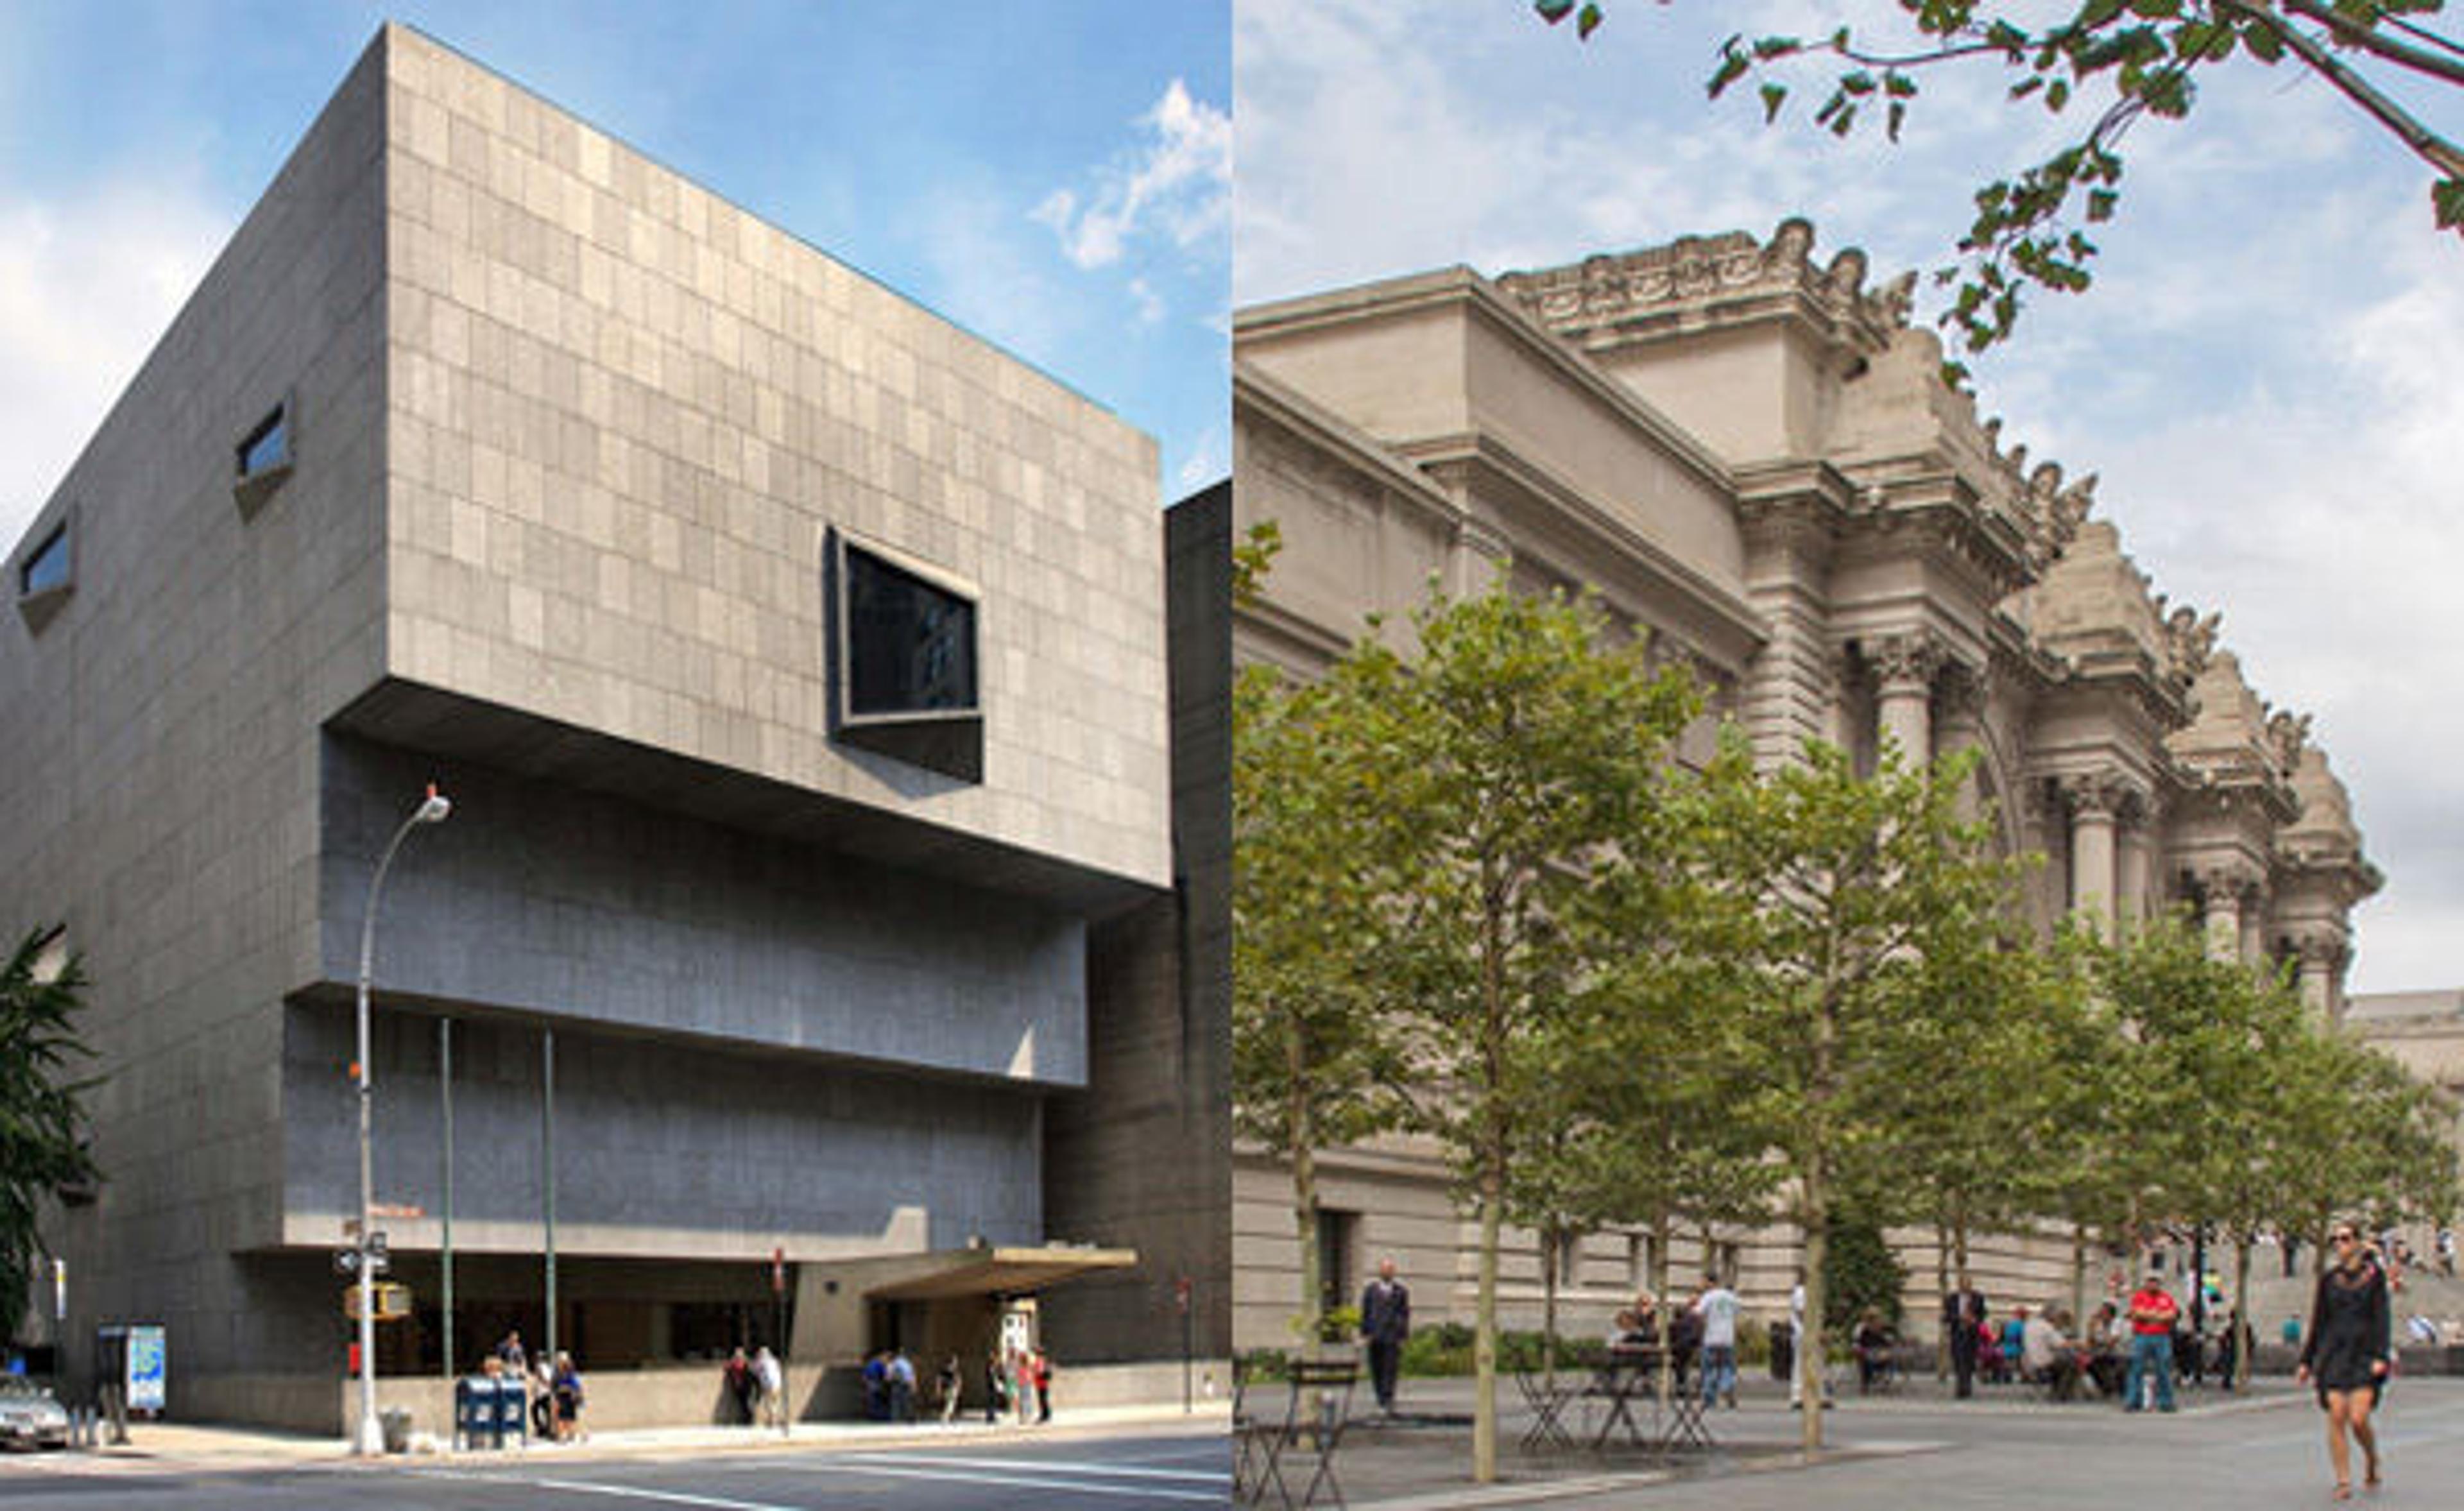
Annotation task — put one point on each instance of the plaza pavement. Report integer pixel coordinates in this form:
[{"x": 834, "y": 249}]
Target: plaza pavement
[{"x": 1921, "y": 1449}]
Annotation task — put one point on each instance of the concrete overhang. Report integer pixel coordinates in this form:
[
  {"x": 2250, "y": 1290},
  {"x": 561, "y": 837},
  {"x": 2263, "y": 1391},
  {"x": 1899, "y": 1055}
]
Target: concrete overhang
[
  {"x": 955, "y": 1274},
  {"x": 412, "y": 716}
]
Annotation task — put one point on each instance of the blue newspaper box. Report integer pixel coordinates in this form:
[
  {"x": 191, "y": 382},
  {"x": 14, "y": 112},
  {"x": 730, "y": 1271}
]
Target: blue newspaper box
[
  {"x": 511, "y": 1420},
  {"x": 486, "y": 1411}
]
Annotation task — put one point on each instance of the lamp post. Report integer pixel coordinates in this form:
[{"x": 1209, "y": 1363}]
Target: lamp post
[{"x": 370, "y": 1439}]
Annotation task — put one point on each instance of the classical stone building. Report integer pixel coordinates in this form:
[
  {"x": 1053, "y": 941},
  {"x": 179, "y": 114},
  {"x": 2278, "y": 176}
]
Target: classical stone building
[
  {"x": 1752, "y": 453},
  {"x": 796, "y": 665}
]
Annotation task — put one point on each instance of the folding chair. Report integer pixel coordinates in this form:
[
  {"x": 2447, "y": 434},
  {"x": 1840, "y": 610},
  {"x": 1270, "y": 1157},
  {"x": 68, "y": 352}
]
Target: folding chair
[
  {"x": 1257, "y": 1448},
  {"x": 1321, "y": 1408},
  {"x": 1547, "y": 1404}
]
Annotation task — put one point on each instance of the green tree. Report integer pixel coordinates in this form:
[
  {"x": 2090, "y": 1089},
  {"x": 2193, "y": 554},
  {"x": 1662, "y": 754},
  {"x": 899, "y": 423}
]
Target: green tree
[
  {"x": 1860, "y": 1272},
  {"x": 2107, "y": 64},
  {"x": 1306, "y": 1049},
  {"x": 1654, "y": 1071},
  {"x": 1508, "y": 754},
  {"x": 1854, "y": 885},
  {"x": 43, "y": 1125}
]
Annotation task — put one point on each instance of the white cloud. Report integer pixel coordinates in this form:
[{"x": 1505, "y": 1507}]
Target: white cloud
[
  {"x": 1210, "y": 457},
  {"x": 1151, "y": 308},
  {"x": 87, "y": 285},
  {"x": 1176, "y": 184}
]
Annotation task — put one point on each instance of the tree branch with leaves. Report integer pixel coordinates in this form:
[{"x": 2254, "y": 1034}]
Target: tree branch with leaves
[{"x": 2112, "y": 63}]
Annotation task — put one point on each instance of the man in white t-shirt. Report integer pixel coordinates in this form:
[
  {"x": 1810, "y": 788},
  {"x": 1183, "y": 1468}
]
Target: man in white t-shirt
[{"x": 1717, "y": 1306}]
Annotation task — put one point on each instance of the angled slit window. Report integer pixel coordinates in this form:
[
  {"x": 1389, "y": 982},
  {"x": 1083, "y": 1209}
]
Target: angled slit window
[
  {"x": 264, "y": 458},
  {"x": 46, "y": 569}
]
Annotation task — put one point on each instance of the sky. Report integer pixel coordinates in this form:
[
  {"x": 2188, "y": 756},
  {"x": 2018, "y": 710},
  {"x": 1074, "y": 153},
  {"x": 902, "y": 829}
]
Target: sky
[
  {"x": 1039, "y": 171},
  {"x": 2268, "y": 375}
]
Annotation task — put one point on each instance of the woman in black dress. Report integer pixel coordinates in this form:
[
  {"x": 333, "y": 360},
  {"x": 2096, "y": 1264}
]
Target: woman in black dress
[{"x": 2346, "y": 1355}]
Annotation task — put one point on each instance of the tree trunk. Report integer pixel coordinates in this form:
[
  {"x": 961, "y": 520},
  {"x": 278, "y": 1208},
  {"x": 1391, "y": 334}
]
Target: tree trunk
[
  {"x": 1303, "y": 1152},
  {"x": 1662, "y": 1231},
  {"x": 1550, "y": 1237},
  {"x": 1808, "y": 1348},
  {"x": 2237, "y": 1316},
  {"x": 2078, "y": 1273},
  {"x": 1492, "y": 1183},
  {"x": 1817, "y": 1200},
  {"x": 1941, "y": 1291},
  {"x": 1483, "y": 1346}
]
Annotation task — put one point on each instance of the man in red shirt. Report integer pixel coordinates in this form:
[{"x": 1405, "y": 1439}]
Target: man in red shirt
[{"x": 2152, "y": 1312}]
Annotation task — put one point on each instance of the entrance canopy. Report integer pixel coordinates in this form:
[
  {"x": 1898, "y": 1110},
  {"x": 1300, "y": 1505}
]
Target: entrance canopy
[{"x": 951, "y": 1274}]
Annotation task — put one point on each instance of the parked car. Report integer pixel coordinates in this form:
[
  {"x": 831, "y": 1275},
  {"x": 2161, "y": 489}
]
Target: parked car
[{"x": 29, "y": 1417}]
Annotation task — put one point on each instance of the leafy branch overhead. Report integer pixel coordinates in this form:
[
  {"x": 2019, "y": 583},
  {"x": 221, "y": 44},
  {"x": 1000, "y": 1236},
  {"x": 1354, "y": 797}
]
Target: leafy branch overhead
[{"x": 2107, "y": 64}]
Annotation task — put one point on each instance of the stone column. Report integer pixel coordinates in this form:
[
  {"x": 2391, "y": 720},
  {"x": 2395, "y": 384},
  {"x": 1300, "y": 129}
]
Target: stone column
[
  {"x": 1903, "y": 670},
  {"x": 2320, "y": 953},
  {"x": 2137, "y": 843},
  {"x": 2092, "y": 801},
  {"x": 2254, "y": 925},
  {"x": 2220, "y": 889},
  {"x": 1479, "y": 559},
  {"x": 1793, "y": 690},
  {"x": 1961, "y": 727}
]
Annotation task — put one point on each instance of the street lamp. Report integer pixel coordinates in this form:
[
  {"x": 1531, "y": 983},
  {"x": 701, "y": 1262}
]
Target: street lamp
[{"x": 370, "y": 1439}]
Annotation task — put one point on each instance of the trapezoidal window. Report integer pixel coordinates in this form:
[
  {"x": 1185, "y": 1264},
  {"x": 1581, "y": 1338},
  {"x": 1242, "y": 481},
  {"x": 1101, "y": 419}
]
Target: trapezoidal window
[
  {"x": 903, "y": 658},
  {"x": 264, "y": 458},
  {"x": 46, "y": 577}
]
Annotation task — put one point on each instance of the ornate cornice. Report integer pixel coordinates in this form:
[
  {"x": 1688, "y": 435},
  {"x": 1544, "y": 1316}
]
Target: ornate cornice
[{"x": 1729, "y": 277}]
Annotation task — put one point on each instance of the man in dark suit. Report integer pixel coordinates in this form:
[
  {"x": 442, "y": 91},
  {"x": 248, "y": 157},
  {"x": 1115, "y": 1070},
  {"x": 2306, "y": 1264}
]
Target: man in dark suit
[
  {"x": 1963, "y": 1314},
  {"x": 1385, "y": 1322}
]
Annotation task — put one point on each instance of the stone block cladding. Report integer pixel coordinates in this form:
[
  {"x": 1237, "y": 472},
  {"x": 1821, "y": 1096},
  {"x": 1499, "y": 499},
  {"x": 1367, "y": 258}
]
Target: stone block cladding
[{"x": 568, "y": 438}]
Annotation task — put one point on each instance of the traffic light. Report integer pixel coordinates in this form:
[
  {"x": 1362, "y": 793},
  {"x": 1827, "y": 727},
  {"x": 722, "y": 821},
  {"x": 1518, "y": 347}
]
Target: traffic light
[{"x": 393, "y": 1302}]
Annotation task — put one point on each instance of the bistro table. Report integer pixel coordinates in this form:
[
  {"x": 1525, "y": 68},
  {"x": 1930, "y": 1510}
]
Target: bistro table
[{"x": 1628, "y": 1376}]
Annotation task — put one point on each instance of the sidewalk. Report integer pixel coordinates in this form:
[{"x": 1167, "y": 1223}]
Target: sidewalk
[
  {"x": 202, "y": 1447},
  {"x": 1422, "y": 1457}
]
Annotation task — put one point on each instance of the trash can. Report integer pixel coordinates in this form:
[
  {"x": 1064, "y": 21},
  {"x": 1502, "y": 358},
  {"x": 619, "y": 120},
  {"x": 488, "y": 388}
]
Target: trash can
[{"x": 396, "y": 1424}]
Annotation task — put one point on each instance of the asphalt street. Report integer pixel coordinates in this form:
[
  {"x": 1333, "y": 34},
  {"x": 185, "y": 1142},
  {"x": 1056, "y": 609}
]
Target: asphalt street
[{"x": 1125, "y": 1472}]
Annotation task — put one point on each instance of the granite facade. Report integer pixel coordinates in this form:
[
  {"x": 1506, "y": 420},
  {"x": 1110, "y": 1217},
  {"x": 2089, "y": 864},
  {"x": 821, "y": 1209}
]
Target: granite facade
[{"x": 568, "y": 438}]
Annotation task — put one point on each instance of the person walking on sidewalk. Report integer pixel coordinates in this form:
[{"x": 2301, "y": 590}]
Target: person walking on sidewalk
[
  {"x": 949, "y": 1383},
  {"x": 2346, "y": 1355},
  {"x": 1963, "y": 1316},
  {"x": 2152, "y": 1314},
  {"x": 770, "y": 1382},
  {"x": 996, "y": 1386},
  {"x": 1385, "y": 1322}
]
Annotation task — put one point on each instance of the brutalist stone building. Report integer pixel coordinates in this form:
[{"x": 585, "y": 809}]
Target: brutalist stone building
[{"x": 797, "y": 666}]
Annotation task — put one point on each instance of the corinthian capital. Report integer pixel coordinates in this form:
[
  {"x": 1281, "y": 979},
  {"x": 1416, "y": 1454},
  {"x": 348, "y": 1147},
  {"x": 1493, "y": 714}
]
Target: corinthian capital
[
  {"x": 2108, "y": 794},
  {"x": 1909, "y": 659},
  {"x": 2226, "y": 880}
]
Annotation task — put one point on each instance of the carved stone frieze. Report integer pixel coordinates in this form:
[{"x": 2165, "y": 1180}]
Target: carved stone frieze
[{"x": 1608, "y": 290}]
